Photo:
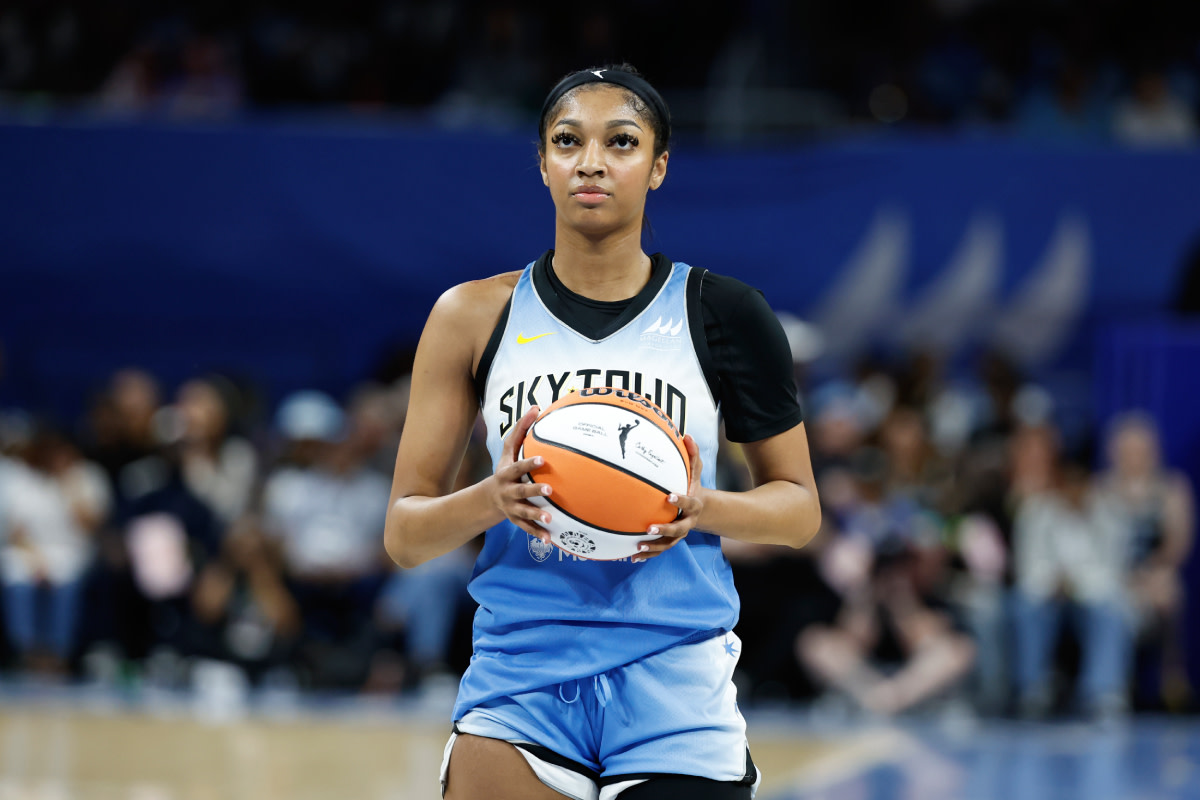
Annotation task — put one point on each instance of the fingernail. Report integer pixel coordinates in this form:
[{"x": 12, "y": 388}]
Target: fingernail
[
  {"x": 637, "y": 560},
  {"x": 546, "y": 518},
  {"x": 545, "y": 490},
  {"x": 653, "y": 530},
  {"x": 537, "y": 461},
  {"x": 643, "y": 547},
  {"x": 674, "y": 498}
]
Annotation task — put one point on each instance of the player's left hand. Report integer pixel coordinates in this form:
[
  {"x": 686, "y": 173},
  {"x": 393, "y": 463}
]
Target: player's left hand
[{"x": 690, "y": 505}]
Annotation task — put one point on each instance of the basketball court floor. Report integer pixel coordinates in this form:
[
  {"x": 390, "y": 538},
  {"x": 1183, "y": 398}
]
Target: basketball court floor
[{"x": 77, "y": 745}]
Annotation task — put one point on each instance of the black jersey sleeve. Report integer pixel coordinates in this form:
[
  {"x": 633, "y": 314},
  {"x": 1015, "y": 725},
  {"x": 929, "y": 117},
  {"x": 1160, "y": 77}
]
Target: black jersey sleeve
[{"x": 750, "y": 360}]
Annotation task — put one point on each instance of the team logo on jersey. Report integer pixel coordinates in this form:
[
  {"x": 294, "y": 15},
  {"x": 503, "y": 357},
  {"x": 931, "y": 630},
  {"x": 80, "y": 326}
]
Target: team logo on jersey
[
  {"x": 578, "y": 542},
  {"x": 539, "y": 550},
  {"x": 662, "y": 335},
  {"x": 599, "y": 73}
]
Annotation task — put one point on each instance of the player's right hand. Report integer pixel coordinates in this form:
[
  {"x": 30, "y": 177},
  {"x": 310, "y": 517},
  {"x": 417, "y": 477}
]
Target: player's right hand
[{"x": 510, "y": 488}]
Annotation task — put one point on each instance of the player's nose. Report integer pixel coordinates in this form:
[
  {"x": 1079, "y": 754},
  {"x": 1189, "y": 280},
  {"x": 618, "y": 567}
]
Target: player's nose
[{"x": 591, "y": 158}]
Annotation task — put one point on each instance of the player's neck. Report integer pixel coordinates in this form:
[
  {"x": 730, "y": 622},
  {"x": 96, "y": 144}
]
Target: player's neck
[{"x": 609, "y": 268}]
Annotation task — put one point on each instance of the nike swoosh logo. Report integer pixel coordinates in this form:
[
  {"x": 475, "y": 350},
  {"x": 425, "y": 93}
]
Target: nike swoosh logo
[{"x": 523, "y": 339}]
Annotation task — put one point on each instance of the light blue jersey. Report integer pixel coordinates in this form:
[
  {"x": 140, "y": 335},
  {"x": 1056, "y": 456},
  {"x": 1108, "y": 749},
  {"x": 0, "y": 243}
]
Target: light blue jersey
[{"x": 547, "y": 618}]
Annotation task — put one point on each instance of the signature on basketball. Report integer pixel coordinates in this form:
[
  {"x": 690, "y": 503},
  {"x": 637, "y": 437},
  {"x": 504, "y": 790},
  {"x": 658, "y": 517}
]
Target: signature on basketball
[{"x": 648, "y": 454}]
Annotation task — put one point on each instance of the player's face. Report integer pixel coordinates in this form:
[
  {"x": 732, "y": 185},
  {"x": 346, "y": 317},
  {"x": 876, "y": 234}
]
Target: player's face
[{"x": 599, "y": 161}]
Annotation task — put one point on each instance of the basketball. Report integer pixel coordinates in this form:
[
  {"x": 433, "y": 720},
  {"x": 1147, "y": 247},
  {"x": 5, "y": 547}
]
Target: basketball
[{"x": 612, "y": 457}]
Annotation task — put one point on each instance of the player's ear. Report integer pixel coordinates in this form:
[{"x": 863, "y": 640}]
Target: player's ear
[
  {"x": 542, "y": 167},
  {"x": 658, "y": 173}
]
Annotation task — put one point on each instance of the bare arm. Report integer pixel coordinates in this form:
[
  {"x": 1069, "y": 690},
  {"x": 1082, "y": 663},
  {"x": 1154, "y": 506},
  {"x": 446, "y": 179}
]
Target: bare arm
[
  {"x": 782, "y": 508},
  {"x": 1179, "y": 522},
  {"x": 425, "y": 519}
]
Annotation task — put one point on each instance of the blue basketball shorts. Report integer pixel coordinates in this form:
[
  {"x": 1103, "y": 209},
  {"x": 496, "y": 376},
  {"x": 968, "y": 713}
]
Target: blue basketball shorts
[{"x": 672, "y": 713}]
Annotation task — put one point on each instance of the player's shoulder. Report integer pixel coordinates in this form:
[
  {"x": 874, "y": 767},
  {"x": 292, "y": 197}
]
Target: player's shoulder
[
  {"x": 724, "y": 298},
  {"x": 723, "y": 290},
  {"x": 486, "y": 292},
  {"x": 475, "y": 302}
]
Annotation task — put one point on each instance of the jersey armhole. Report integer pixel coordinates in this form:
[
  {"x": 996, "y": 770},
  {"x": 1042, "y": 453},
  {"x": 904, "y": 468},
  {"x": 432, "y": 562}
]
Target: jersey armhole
[
  {"x": 489, "y": 351},
  {"x": 695, "y": 311}
]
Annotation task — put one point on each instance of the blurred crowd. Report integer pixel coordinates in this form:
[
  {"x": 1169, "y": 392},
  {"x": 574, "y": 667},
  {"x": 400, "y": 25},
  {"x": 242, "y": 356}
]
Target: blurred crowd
[
  {"x": 974, "y": 554},
  {"x": 170, "y": 533},
  {"x": 1076, "y": 70},
  {"x": 963, "y": 526}
]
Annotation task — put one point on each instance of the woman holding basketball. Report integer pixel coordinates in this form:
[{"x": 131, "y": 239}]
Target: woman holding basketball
[{"x": 600, "y": 679}]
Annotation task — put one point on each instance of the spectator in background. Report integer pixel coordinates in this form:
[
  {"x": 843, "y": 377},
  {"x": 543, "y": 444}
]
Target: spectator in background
[
  {"x": 1162, "y": 508},
  {"x": 218, "y": 468},
  {"x": 1070, "y": 553},
  {"x": 123, "y": 433},
  {"x": 244, "y": 611},
  {"x": 327, "y": 510},
  {"x": 893, "y": 646},
  {"x": 1152, "y": 115},
  {"x": 208, "y": 83},
  {"x": 376, "y": 416},
  {"x": 1072, "y": 110},
  {"x": 53, "y": 502},
  {"x": 169, "y": 535},
  {"x": 915, "y": 468},
  {"x": 500, "y": 79}
]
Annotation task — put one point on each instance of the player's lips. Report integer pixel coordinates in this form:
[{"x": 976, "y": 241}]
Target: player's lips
[{"x": 589, "y": 193}]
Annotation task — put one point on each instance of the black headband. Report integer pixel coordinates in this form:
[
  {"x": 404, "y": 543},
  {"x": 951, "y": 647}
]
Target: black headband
[{"x": 626, "y": 80}]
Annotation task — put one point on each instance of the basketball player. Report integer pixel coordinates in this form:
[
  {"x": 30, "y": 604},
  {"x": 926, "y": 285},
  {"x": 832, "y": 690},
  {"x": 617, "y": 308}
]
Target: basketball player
[{"x": 600, "y": 679}]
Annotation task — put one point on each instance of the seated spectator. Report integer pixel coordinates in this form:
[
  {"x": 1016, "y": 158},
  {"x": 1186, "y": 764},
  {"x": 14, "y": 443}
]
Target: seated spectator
[
  {"x": 327, "y": 509},
  {"x": 1152, "y": 115},
  {"x": 893, "y": 646},
  {"x": 218, "y": 468},
  {"x": 168, "y": 535},
  {"x": 244, "y": 611},
  {"x": 1072, "y": 110},
  {"x": 53, "y": 503},
  {"x": 1162, "y": 508},
  {"x": 122, "y": 436},
  {"x": 1070, "y": 556}
]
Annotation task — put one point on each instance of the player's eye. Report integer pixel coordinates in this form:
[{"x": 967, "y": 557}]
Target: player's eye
[
  {"x": 624, "y": 141},
  {"x": 564, "y": 139}
]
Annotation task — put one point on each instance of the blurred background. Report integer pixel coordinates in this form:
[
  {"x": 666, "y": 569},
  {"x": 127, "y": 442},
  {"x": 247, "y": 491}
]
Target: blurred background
[{"x": 222, "y": 226}]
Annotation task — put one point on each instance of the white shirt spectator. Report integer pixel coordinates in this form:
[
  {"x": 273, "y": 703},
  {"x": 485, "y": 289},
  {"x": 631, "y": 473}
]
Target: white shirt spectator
[
  {"x": 41, "y": 508},
  {"x": 1083, "y": 550},
  {"x": 1153, "y": 116},
  {"x": 226, "y": 483},
  {"x": 328, "y": 522}
]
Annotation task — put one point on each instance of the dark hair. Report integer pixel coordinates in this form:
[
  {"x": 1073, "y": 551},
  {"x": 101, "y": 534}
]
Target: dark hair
[{"x": 647, "y": 107}]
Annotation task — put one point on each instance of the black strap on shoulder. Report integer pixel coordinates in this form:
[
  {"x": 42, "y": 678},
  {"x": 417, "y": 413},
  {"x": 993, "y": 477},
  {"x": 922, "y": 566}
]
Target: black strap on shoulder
[
  {"x": 489, "y": 352},
  {"x": 695, "y": 311}
]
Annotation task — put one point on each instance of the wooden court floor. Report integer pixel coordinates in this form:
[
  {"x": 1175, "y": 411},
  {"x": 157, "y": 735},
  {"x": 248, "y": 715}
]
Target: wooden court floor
[{"x": 60, "y": 752}]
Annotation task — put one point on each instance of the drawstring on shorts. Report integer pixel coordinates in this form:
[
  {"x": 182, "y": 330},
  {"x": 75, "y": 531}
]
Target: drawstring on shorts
[
  {"x": 562, "y": 697},
  {"x": 602, "y": 689}
]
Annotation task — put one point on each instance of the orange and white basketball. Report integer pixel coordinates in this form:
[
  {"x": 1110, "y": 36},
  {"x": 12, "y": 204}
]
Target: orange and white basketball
[{"x": 612, "y": 457}]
